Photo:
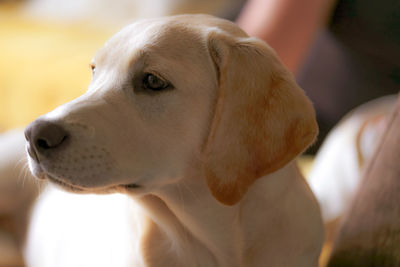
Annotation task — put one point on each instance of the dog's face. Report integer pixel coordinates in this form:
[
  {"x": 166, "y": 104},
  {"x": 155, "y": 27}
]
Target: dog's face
[
  {"x": 160, "y": 103},
  {"x": 144, "y": 116}
]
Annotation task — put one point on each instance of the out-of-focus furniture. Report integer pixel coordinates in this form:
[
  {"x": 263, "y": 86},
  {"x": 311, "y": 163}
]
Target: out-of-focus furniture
[{"x": 370, "y": 231}]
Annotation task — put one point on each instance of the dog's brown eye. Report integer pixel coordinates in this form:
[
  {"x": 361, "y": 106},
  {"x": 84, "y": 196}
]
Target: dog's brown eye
[
  {"x": 154, "y": 83},
  {"x": 92, "y": 67}
]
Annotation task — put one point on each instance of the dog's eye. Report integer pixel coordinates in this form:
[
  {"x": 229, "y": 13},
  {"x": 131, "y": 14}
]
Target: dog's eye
[
  {"x": 154, "y": 83},
  {"x": 92, "y": 67}
]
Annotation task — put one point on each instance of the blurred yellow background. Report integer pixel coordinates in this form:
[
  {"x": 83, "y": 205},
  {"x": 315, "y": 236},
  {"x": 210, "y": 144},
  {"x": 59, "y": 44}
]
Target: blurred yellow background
[{"x": 42, "y": 64}]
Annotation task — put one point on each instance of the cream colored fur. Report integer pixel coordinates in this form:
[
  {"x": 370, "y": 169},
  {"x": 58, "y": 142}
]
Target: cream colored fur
[{"x": 212, "y": 156}]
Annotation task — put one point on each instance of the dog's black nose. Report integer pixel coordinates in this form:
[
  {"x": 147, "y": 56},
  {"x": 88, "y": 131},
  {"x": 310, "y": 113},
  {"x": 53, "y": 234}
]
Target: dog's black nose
[{"x": 44, "y": 135}]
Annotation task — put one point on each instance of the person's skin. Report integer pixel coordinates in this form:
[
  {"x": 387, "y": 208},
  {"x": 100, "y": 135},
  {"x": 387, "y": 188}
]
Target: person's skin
[{"x": 288, "y": 26}]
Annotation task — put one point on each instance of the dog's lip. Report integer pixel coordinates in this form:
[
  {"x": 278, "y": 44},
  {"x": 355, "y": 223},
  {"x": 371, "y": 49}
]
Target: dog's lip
[
  {"x": 44, "y": 175},
  {"x": 62, "y": 183},
  {"x": 77, "y": 188},
  {"x": 131, "y": 186}
]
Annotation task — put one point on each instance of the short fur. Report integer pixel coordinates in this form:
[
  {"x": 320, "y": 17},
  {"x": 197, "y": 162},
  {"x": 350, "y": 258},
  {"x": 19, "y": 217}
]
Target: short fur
[{"x": 210, "y": 157}]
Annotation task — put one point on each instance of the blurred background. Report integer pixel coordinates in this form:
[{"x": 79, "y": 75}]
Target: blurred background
[{"x": 342, "y": 52}]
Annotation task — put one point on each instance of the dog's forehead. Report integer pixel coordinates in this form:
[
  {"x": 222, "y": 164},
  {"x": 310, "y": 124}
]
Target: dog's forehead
[
  {"x": 146, "y": 33},
  {"x": 176, "y": 25},
  {"x": 140, "y": 36},
  {"x": 173, "y": 32}
]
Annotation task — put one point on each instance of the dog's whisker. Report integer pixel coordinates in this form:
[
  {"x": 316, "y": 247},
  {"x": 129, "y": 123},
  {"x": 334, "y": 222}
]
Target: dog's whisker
[
  {"x": 23, "y": 172},
  {"x": 22, "y": 160},
  {"x": 27, "y": 174},
  {"x": 40, "y": 188}
]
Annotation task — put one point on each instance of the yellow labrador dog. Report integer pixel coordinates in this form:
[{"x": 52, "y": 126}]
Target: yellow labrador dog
[{"x": 197, "y": 125}]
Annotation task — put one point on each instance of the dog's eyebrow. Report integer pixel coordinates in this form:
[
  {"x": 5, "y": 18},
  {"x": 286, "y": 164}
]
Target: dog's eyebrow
[{"x": 139, "y": 56}]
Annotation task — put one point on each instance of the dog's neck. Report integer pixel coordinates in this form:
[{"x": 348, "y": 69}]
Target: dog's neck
[
  {"x": 190, "y": 223},
  {"x": 189, "y": 216}
]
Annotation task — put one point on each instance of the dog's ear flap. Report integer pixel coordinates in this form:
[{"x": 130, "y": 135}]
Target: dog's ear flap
[{"x": 262, "y": 119}]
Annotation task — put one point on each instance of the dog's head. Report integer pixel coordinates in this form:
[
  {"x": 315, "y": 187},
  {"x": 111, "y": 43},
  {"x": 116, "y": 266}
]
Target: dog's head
[{"x": 169, "y": 94}]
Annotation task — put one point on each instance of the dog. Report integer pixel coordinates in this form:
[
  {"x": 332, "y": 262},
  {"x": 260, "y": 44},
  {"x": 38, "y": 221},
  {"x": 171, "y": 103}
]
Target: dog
[{"x": 180, "y": 153}]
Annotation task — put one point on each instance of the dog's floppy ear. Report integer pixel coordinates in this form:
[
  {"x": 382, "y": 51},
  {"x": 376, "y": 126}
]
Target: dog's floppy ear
[{"x": 262, "y": 119}]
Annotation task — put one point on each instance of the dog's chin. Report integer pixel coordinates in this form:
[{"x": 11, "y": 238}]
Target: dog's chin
[
  {"x": 65, "y": 186},
  {"x": 69, "y": 187},
  {"x": 128, "y": 188},
  {"x": 60, "y": 182}
]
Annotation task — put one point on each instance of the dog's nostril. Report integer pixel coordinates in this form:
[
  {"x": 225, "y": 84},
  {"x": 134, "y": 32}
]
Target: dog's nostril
[
  {"x": 42, "y": 143},
  {"x": 52, "y": 140},
  {"x": 51, "y": 143}
]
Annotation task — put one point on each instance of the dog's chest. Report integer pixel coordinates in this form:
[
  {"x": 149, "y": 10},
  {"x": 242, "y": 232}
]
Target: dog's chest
[{"x": 82, "y": 230}]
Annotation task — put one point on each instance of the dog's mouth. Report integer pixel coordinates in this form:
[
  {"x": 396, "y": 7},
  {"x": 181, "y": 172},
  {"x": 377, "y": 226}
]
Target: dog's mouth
[
  {"x": 78, "y": 189},
  {"x": 131, "y": 186},
  {"x": 40, "y": 173},
  {"x": 67, "y": 186}
]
